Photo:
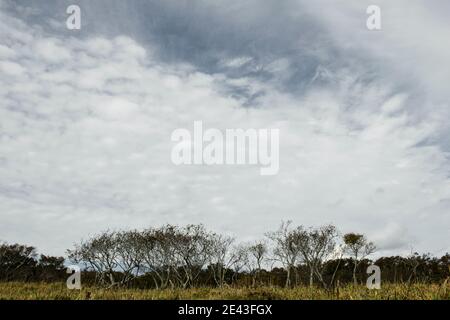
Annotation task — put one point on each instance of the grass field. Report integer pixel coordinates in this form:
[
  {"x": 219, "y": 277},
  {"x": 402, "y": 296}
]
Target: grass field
[{"x": 58, "y": 291}]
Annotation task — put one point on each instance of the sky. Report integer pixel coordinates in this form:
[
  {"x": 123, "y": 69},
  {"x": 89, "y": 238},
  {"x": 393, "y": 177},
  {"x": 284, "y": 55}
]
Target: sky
[{"x": 86, "y": 118}]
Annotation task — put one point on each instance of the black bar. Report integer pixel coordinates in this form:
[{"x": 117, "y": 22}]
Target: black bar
[{"x": 225, "y": 309}]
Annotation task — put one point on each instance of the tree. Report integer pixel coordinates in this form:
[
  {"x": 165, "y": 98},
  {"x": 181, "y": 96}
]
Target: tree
[
  {"x": 257, "y": 254},
  {"x": 111, "y": 255},
  {"x": 286, "y": 249},
  {"x": 226, "y": 257},
  {"x": 157, "y": 252},
  {"x": 16, "y": 261},
  {"x": 129, "y": 259},
  {"x": 358, "y": 247},
  {"x": 51, "y": 268},
  {"x": 241, "y": 261},
  {"x": 192, "y": 245},
  {"x": 316, "y": 246},
  {"x": 222, "y": 258}
]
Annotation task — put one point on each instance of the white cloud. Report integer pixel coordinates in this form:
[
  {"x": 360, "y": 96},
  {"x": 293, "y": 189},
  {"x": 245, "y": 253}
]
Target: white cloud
[
  {"x": 11, "y": 68},
  {"x": 51, "y": 50},
  {"x": 85, "y": 146},
  {"x": 114, "y": 108}
]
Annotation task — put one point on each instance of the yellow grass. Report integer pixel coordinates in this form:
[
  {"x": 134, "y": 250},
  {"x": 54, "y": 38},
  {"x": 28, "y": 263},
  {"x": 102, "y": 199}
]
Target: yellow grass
[{"x": 58, "y": 291}]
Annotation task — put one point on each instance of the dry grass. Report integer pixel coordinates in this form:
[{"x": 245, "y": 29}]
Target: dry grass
[{"x": 58, "y": 291}]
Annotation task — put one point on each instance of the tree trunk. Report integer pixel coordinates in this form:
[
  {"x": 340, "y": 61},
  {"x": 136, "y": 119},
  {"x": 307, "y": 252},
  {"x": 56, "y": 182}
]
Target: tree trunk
[
  {"x": 288, "y": 279},
  {"x": 355, "y": 282}
]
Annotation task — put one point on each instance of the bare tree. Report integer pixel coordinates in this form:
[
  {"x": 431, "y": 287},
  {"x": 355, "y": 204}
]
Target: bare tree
[
  {"x": 98, "y": 254},
  {"x": 129, "y": 259},
  {"x": 257, "y": 253},
  {"x": 222, "y": 257},
  {"x": 226, "y": 257},
  {"x": 241, "y": 261},
  {"x": 192, "y": 246},
  {"x": 157, "y": 252},
  {"x": 316, "y": 246},
  {"x": 359, "y": 248},
  {"x": 112, "y": 255},
  {"x": 286, "y": 250}
]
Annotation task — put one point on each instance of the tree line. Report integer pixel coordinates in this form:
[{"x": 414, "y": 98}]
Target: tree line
[{"x": 191, "y": 256}]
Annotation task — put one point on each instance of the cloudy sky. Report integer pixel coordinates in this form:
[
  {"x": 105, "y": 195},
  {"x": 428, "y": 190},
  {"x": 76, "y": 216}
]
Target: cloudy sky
[{"x": 86, "y": 117}]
